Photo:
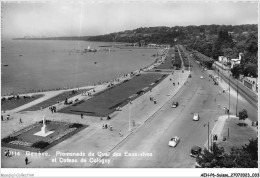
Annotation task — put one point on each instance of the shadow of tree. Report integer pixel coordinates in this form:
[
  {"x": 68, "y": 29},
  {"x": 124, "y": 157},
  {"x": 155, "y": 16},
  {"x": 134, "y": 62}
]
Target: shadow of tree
[{"x": 242, "y": 124}]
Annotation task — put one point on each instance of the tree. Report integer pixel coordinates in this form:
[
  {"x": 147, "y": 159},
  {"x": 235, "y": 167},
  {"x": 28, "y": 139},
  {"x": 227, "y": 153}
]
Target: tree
[
  {"x": 252, "y": 149},
  {"x": 250, "y": 70},
  {"x": 245, "y": 157},
  {"x": 210, "y": 159},
  {"x": 237, "y": 70},
  {"x": 242, "y": 114}
]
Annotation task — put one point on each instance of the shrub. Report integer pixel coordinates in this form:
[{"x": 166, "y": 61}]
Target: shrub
[
  {"x": 243, "y": 114},
  {"x": 46, "y": 121},
  {"x": 76, "y": 125},
  {"x": 9, "y": 139},
  {"x": 40, "y": 144}
]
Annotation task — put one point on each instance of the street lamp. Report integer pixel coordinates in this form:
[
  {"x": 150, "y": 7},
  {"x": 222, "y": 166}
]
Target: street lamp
[
  {"x": 237, "y": 98},
  {"x": 129, "y": 116},
  {"x": 208, "y": 133},
  {"x": 229, "y": 96}
]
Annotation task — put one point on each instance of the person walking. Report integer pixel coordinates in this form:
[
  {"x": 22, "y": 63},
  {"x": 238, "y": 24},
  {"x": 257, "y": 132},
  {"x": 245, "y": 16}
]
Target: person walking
[
  {"x": 2, "y": 118},
  {"x": 120, "y": 133},
  {"x": 21, "y": 120},
  {"x": 81, "y": 115},
  {"x": 26, "y": 161}
]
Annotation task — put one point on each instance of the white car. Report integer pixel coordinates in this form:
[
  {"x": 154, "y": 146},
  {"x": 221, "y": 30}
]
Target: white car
[
  {"x": 196, "y": 117},
  {"x": 201, "y": 77},
  {"x": 175, "y": 104},
  {"x": 174, "y": 141}
]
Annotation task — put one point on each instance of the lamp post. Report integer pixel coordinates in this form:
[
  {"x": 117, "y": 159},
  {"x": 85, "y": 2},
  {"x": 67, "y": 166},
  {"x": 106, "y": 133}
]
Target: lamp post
[
  {"x": 237, "y": 98},
  {"x": 129, "y": 117},
  {"x": 208, "y": 133},
  {"x": 229, "y": 96},
  {"x": 179, "y": 78}
]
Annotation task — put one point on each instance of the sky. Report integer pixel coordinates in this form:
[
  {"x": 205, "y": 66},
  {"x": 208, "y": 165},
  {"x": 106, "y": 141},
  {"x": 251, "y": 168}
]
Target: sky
[{"x": 97, "y": 17}]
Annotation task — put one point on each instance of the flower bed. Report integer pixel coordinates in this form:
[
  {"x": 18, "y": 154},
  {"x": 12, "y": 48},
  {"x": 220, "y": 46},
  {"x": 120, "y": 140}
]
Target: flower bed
[
  {"x": 21, "y": 143},
  {"x": 26, "y": 140},
  {"x": 61, "y": 135},
  {"x": 24, "y": 130}
]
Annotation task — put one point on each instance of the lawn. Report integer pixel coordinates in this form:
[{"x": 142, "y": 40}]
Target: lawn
[
  {"x": 54, "y": 100},
  {"x": 106, "y": 102},
  {"x": 168, "y": 61},
  {"x": 238, "y": 135},
  {"x": 14, "y": 103},
  {"x": 62, "y": 131}
]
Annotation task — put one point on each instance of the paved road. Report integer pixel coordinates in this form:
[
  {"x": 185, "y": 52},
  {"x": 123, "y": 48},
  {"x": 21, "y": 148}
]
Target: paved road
[{"x": 199, "y": 95}]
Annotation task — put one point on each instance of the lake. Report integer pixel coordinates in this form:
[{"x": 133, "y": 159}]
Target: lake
[{"x": 28, "y": 65}]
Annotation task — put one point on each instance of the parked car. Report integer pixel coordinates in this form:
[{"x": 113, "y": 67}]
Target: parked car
[
  {"x": 175, "y": 104},
  {"x": 174, "y": 141},
  {"x": 196, "y": 117},
  {"x": 201, "y": 77},
  {"x": 195, "y": 151}
]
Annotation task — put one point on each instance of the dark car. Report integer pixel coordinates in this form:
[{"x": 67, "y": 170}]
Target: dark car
[
  {"x": 175, "y": 104},
  {"x": 190, "y": 76},
  {"x": 195, "y": 151}
]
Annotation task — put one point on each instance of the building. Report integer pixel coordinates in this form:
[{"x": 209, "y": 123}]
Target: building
[
  {"x": 223, "y": 59},
  {"x": 251, "y": 83},
  {"x": 152, "y": 45},
  {"x": 236, "y": 61}
]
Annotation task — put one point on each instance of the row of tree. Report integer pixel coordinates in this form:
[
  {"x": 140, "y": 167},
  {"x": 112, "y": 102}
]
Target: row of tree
[{"x": 210, "y": 40}]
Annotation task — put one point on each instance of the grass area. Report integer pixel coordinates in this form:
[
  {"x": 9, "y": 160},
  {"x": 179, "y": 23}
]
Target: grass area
[
  {"x": 14, "y": 103},
  {"x": 106, "y": 102},
  {"x": 54, "y": 100},
  {"x": 168, "y": 61},
  {"x": 238, "y": 135},
  {"x": 26, "y": 135}
]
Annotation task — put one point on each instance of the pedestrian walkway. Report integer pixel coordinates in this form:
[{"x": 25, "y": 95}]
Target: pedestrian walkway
[
  {"x": 227, "y": 72},
  {"x": 95, "y": 138}
]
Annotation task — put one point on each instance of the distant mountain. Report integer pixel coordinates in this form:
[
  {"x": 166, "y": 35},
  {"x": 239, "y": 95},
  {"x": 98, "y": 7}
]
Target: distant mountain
[
  {"x": 84, "y": 38},
  {"x": 175, "y": 34}
]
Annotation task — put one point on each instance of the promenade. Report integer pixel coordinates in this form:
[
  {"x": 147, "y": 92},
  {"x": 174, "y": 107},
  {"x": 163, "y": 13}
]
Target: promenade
[{"x": 94, "y": 138}]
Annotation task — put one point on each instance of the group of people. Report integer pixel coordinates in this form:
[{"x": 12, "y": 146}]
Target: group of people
[
  {"x": 105, "y": 126},
  {"x": 7, "y": 117},
  {"x": 86, "y": 94},
  {"x": 154, "y": 100},
  {"x": 215, "y": 137},
  {"x": 53, "y": 109}
]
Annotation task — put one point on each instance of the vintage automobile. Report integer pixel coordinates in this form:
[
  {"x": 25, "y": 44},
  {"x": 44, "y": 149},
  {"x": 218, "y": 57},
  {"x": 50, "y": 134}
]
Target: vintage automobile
[
  {"x": 175, "y": 104},
  {"x": 195, "y": 151},
  {"x": 201, "y": 77},
  {"x": 174, "y": 141},
  {"x": 196, "y": 117}
]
